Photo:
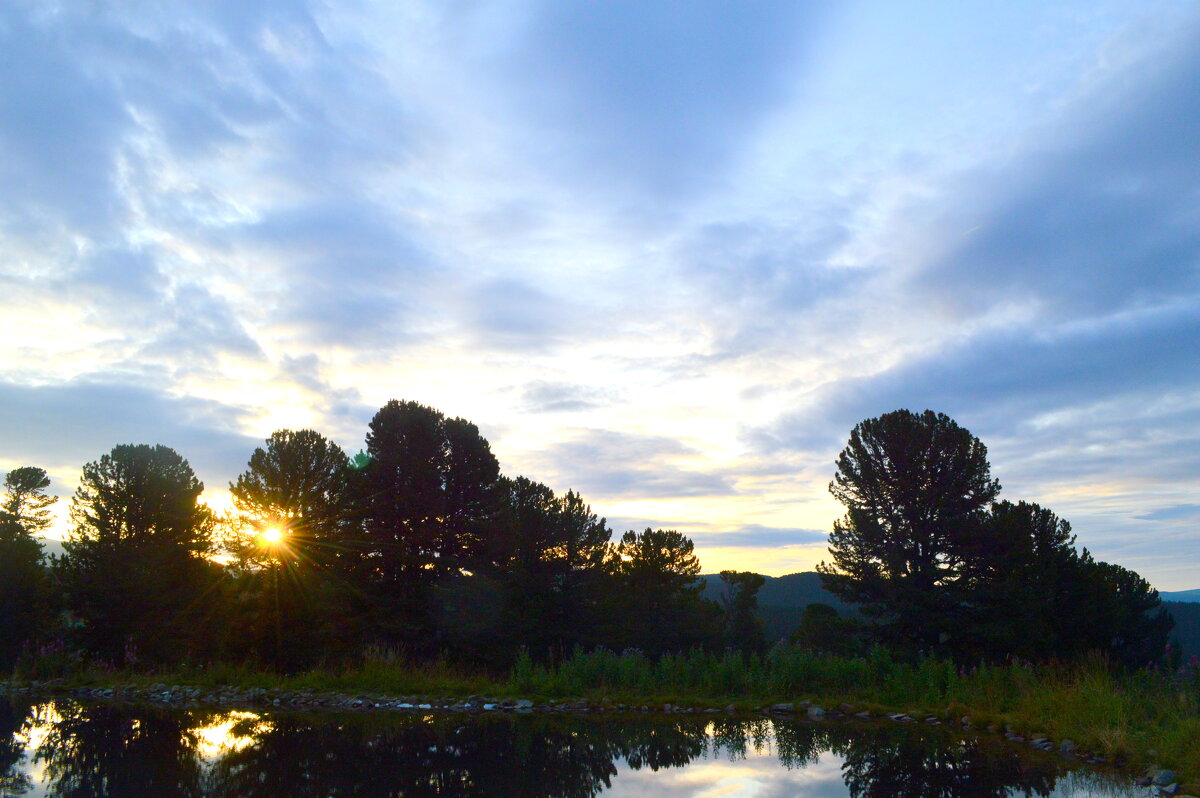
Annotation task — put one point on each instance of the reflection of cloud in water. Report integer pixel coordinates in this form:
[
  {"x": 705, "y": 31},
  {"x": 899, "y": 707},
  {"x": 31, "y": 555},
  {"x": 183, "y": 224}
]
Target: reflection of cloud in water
[{"x": 759, "y": 775}]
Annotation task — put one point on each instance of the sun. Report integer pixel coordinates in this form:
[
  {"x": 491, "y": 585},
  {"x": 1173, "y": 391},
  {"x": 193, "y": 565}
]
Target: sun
[{"x": 271, "y": 536}]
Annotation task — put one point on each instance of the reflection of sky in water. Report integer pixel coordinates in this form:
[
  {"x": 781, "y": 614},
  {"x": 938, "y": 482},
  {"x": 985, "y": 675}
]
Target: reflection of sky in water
[
  {"x": 759, "y": 775},
  {"x": 747, "y": 764}
]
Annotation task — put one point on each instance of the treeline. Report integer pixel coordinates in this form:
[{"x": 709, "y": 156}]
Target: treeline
[
  {"x": 420, "y": 544},
  {"x": 938, "y": 563}
]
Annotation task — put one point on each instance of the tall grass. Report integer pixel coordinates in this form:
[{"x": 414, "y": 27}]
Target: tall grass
[{"x": 1137, "y": 717}]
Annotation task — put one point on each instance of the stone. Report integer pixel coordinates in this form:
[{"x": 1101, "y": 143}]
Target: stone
[{"x": 1163, "y": 777}]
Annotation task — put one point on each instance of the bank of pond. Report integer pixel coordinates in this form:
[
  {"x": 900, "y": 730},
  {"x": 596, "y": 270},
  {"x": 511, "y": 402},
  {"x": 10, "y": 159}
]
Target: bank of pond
[{"x": 68, "y": 747}]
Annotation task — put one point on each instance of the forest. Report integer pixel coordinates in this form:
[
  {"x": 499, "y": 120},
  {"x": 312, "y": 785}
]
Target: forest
[{"x": 419, "y": 544}]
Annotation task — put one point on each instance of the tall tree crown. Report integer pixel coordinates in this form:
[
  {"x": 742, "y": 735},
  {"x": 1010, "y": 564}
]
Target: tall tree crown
[
  {"x": 141, "y": 494},
  {"x": 26, "y": 500}
]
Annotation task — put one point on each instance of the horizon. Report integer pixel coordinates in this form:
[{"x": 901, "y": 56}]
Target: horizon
[{"x": 664, "y": 255}]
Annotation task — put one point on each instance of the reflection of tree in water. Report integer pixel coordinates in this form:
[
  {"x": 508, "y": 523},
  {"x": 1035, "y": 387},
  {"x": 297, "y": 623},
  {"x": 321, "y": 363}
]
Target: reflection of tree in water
[
  {"x": 897, "y": 762},
  {"x": 14, "y": 724},
  {"x": 494, "y": 756},
  {"x": 111, "y": 750},
  {"x": 114, "y": 751}
]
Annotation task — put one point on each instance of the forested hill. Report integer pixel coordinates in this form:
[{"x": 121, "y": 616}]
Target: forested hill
[
  {"x": 793, "y": 590},
  {"x": 1187, "y": 625},
  {"x": 782, "y": 600}
]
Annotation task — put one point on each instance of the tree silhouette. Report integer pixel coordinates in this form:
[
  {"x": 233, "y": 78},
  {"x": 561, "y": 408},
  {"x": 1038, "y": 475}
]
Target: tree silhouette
[
  {"x": 26, "y": 500},
  {"x": 25, "y": 595},
  {"x": 743, "y": 628},
  {"x": 134, "y": 566},
  {"x": 657, "y": 603},
  {"x": 550, "y": 554},
  {"x": 299, "y": 485},
  {"x": 915, "y": 488},
  {"x": 431, "y": 495}
]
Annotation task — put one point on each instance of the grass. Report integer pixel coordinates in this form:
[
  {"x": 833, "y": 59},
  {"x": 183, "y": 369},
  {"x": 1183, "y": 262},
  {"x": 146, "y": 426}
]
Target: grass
[{"x": 1142, "y": 718}]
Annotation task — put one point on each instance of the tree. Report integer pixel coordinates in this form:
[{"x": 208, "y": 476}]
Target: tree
[
  {"x": 821, "y": 629},
  {"x": 743, "y": 628},
  {"x": 915, "y": 488},
  {"x": 295, "y": 538},
  {"x": 24, "y": 589},
  {"x": 658, "y": 593},
  {"x": 431, "y": 495},
  {"x": 297, "y": 487},
  {"x": 26, "y": 499},
  {"x": 551, "y": 554},
  {"x": 1118, "y": 613},
  {"x": 1022, "y": 559},
  {"x": 135, "y": 567}
]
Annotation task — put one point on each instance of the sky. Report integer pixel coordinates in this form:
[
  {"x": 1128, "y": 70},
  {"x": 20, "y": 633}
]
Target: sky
[{"x": 666, "y": 254}]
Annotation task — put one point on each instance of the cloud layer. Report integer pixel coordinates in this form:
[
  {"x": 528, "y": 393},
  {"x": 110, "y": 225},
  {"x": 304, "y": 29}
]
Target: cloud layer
[{"x": 666, "y": 256}]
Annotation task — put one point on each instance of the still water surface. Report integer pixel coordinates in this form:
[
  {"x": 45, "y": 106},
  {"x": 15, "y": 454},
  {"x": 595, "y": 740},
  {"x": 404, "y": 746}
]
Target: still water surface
[{"x": 81, "y": 750}]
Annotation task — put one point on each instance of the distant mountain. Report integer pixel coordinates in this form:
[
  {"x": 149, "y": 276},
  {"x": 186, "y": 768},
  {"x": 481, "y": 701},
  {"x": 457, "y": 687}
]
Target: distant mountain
[
  {"x": 782, "y": 599},
  {"x": 50, "y": 546},
  {"x": 1180, "y": 595},
  {"x": 1187, "y": 625},
  {"x": 794, "y": 590}
]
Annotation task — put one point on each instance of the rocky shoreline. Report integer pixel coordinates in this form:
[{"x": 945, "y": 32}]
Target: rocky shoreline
[{"x": 1161, "y": 782}]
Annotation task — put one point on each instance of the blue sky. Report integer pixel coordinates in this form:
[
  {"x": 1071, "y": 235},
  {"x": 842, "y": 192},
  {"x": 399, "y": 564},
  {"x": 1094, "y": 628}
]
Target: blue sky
[{"x": 666, "y": 254}]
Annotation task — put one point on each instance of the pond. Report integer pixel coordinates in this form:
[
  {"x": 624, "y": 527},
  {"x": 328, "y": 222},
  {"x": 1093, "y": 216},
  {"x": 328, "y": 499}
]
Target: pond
[{"x": 69, "y": 748}]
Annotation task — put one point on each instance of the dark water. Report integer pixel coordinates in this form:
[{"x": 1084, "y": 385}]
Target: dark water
[{"x": 67, "y": 748}]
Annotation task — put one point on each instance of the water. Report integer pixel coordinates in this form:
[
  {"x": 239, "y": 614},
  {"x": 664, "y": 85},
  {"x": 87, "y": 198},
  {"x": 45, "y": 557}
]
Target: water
[{"x": 68, "y": 748}]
